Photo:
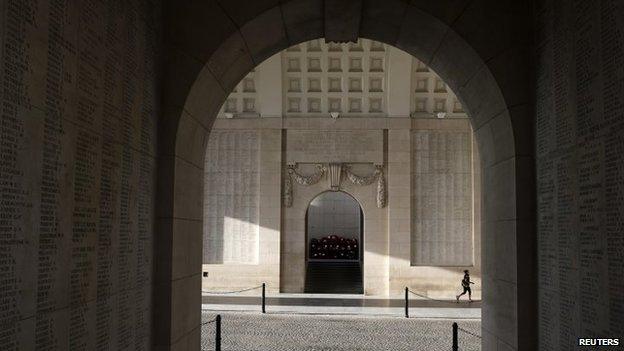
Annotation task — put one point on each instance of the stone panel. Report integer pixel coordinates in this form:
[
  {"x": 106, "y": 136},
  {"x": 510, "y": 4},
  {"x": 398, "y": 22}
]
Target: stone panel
[
  {"x": 442, "y": 233},
  {"x": 379, "y": 20},
  {"x": 342, "y": 20},
  {"x": 77, "y": 174},
  {"x": 307, "y": 146},
  {"x": 580, "y": 171},
  {"x": 231, "y": 204},
  {"x": 303, "y": 19}
]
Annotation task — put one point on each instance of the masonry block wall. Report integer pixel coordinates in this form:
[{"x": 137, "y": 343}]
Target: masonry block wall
[
  {"x": 79, "y": 107},
  {"x": 580, "y": 170}
]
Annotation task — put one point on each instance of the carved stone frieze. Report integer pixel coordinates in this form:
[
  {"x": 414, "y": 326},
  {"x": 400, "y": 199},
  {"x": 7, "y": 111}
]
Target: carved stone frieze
[
  {"x": 381, "y": 187},
  {"x": 359, "y": 180},
  {"x": 292, "y": 175},
  {"x": 336, "y": 172},
  {"x": 287, "y": 195},
  {"x": 309, "y": 179},
  {"x": 378, "y": 175}
]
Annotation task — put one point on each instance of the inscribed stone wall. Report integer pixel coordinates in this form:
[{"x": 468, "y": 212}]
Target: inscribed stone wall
[
  {"x": 442, "y": 198},
  {"x": 231, "y": 204},
  {"x": 325, "y": 146},
  {"x": 580, "y": 171},
  {"x": 77, "y": 173}
]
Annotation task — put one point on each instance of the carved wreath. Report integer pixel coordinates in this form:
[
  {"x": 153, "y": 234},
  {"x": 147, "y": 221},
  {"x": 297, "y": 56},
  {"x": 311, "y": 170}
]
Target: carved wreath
[
  {"x": 369, "y": 179},
  {"x": 291, "y": 174},
  {"x": 307, "y": 180}
]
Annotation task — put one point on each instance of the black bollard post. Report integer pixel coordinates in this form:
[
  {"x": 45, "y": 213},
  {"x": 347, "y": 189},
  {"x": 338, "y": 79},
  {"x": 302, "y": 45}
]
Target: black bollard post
[
  {"x": 406, "y": 303},
  {"x": 263, "y": 297},
  {"x": 218, "y": 333},
  {"x": 455, "y": 343}
]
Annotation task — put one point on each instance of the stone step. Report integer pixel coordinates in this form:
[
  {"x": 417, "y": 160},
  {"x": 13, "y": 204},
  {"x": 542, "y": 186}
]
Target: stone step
[{"x": 334, "y": 278}]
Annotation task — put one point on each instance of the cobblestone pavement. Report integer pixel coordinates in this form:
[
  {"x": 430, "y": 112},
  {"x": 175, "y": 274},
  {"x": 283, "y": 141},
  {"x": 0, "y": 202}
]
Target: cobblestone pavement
[{"x": 282, "y": 332}]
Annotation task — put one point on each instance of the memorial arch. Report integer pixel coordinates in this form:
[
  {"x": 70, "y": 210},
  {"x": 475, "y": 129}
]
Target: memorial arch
[
  {"x": 212, "y": 49},
  {"x": 363, "y": 117},
  {"x": 107, "y": 107}
]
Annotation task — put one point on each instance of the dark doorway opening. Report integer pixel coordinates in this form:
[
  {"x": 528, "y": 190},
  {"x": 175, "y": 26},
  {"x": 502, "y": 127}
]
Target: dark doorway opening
[{"x": 334, "y": 252}]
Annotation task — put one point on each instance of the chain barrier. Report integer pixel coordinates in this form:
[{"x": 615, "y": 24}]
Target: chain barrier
[
  {"x": 432, "y": 299},
  {"x": 407, "y": 291},
  {"x": 455, "y": 344},
  {"x": 217, "y": 338},
  {"x": 217, "y": 319},
  {"x": 261, "y": 286},
  {"x": 469, "y": 332},
  {"x": 230, "y": 292},
  {"x": 208, "y": 322},
  {"x": 206, "y": 343}
]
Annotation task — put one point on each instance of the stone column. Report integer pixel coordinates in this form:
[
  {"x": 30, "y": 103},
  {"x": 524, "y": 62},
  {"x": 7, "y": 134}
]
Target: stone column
[
  {"x": 399, "y": 83},
  {"x": 270, "y": 207},
  {"x": 399, "y": 205},
  {"x": 269, "y": 86}
]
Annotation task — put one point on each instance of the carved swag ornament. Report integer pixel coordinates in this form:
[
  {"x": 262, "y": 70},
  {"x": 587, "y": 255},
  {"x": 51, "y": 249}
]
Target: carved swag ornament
[
  {"x": 291, "y": 174},
  {"x": 337, "y": 171}
]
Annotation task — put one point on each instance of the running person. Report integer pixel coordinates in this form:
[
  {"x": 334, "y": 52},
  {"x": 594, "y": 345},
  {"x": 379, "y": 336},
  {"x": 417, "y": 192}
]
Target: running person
[{"x": 466, "y": 285}]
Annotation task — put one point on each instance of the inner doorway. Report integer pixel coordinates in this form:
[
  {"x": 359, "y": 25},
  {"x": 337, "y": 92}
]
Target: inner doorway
[{"x": 334, "y": 236}]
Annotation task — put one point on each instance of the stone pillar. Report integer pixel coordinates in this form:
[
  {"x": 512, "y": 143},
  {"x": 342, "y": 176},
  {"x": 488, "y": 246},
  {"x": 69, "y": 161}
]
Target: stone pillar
[
  {"x": 375, "y": 272},
  {"x": 399, "y": 83},
  {"x": 269, "y": 86},
  {"x": 399, "y": 205},
  {"x": 270, "y": 206}
]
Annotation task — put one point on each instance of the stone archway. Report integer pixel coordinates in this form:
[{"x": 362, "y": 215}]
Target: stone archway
[
  {"x": 294, "y": 227},
  {"x": 334, "y": 213},
  {"x": 477, "y": 47},
  {"x": 356, "y": 216}
]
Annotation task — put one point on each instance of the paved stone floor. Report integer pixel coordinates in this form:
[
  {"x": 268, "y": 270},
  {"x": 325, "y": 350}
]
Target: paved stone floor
[{"x": 246, "y": 331}]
